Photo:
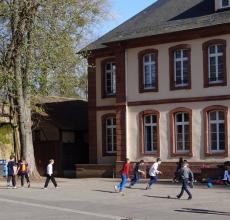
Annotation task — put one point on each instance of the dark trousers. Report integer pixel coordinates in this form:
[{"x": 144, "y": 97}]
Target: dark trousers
[
  {"x": 11, "y": 178},
  {"x": 24, "y": 175},
  {"x": 48, "y": 178},
  {"x": 185, "y": 188},
  {"x": 153, "y": 179},
  {"x": 135, "y": 178}
]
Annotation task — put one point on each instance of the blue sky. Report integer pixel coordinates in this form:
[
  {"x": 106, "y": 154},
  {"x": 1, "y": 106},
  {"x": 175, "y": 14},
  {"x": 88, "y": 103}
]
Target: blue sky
[{"x": 123, "y": 10}]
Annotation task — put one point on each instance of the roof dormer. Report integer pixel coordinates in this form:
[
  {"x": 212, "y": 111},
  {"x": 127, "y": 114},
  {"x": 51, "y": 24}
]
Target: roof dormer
[{"x": 222, "y": 4}]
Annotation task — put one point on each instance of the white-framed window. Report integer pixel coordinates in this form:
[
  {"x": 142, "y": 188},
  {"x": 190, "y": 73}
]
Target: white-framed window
[
  {"x": 216, "y": 63},
  {"x": 149, "y": 71},
  {"x": 150, "y": 133},
  {"x": 182, "y": 130},
  {"x": 111, "y": 145},
  {"x": 181, "y": 67},
  {"x": 225, "y": 3},
  {"x": 110, "y": 78},
  {"x": 216, "y": 131}
]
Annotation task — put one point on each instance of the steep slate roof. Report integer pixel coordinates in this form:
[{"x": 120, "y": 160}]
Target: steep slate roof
[{"x": 165, "y": 16}]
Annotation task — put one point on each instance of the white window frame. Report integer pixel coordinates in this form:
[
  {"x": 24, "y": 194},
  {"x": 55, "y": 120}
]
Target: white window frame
[
  {"x": 112, "y": 73},
  {"x": 112, "y": 127},
  {"x": 182, "y": 123},
  {"x": 181, "y": 59},
  {"x": 225, "y": 6},
  {"x": 149, "y": 64},
  {"x": 151, "y": 124},
  {"x": 216, "y": 55},
  {"x": 216, "y": 122}
]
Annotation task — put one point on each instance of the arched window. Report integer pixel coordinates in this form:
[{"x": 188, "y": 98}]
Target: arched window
[
  {"x": 214, "y": 55},
  {"x": 149, "y": 132},
  {"x": 216, "y": 130},
  {"x": 181, "y": 132},
  {"x": 148, "y": 71},
  {"x": 108, "y": 78},
  {"x": 109, "y": 146},
  {"x": 180, "y": 67}
]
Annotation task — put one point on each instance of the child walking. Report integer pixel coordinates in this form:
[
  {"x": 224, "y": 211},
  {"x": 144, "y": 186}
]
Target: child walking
[
  {"x": 153, "y": 172},
  {"x": 124, "y": 175},
  {"x": 49, "y": 174},
  {"x": 12, "y": 171},
  {"x": 137, "y": 173},
  {"x": 186, "y": 175},
  {"x": 23, "y": 171}
]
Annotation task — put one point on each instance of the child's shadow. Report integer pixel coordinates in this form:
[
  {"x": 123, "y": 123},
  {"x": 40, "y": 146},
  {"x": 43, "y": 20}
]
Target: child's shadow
[
  {"x": 161, "y": 197},
  {"x": 104, "y": 191}
]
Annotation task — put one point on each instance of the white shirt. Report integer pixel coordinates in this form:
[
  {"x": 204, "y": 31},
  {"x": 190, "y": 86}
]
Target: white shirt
[
  {"x": 226, "y": 175},
  {"x": 153, "y": 170},
  {"x": 50, "y": 169}
]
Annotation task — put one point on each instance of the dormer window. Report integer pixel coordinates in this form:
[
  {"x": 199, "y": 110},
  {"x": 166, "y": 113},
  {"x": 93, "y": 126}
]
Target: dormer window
[{"x": 225, "y": 3}]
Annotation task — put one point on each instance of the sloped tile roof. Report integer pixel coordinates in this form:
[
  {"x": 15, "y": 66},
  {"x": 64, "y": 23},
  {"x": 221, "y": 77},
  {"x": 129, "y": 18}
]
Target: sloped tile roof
[{"x": 165, "y": 16}]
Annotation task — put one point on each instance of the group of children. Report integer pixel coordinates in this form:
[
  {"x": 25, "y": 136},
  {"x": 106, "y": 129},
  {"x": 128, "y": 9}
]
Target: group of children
[
  {"x": 13, "y": 169},
  {"x": 183, "y": 174},
  {"x": 22, "y": 169}
]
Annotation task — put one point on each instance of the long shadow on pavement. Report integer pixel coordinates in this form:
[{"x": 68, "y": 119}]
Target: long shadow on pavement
[
  {"x": 105, "y": 191},
  {"x": 161, "y": 197},
  {"x": 203, "y": 211}
]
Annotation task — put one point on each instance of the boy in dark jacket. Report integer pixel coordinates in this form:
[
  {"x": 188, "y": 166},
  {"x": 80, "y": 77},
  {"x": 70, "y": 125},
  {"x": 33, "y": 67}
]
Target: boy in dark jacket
[
  {"x": 23, "y": 171},
  {"x": 11, "y": 166},
  {"x": 186, "y": 176},
  {"x": 137, "y": 172}
]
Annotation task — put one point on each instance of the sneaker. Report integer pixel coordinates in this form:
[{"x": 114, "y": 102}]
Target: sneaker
[
  {"x": 178, "y": 196},
  {"x": 44, "y": 188},
  {"x": 115, "y": 188},
  {"x": 190, "y": 198},
  {"x": 15, "y": 187},
  {"x": 57, "y": 187}
]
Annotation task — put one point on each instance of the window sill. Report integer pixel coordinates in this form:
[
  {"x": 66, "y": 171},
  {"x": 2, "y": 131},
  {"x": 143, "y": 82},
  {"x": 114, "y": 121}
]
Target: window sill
[
  {"x": 185, "y": 154},
  {"x": 109, "y": 154},
  {"x": 215, "y": 84},
  {"x": 217, "y": 154},
  {"x": 180, "y": 88},
  {"x": 144, "y": 90},
  {"x": 156, "y": 154}
]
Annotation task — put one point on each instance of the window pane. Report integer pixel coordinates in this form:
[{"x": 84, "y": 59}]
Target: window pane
[
  {"x": 154, "y": 119},
  {"x": 212, "y": 116},
  {"x": 148, "y": 119},
  {"x": 213, "y": 128},
  {"x": 186, "y": 117},
  {"x": 212, "y": 49},
  {"x": 108, "y": 66},
  {"x": 222, "y": 145},
  {"x": 185, "y": 53},
  {"x": 178, "y": 117},
  {"x": 220, "y": 48},
  {"x": 152, "y": 57},
  {"x": 221, "y": 115},
  {"x": 148, "y": 138},
  {"x": 213, "y": 145},
  {"x": 179, "y": 129},
  {"x": 179, "y": 146},
  {"x": 177, "y": 53},
  {"x": 146, "y": 58}
]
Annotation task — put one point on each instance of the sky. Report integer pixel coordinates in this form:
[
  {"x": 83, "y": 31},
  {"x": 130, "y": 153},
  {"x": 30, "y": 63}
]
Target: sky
[{"x": 122, "y": 10}]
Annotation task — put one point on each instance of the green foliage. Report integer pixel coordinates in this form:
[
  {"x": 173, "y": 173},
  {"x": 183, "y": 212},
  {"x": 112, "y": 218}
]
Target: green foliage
[{"x": 59, "y": 28}]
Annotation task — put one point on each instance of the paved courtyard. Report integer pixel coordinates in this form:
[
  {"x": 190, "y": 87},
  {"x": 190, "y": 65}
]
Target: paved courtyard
[{"x": 86, "y": 199}]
